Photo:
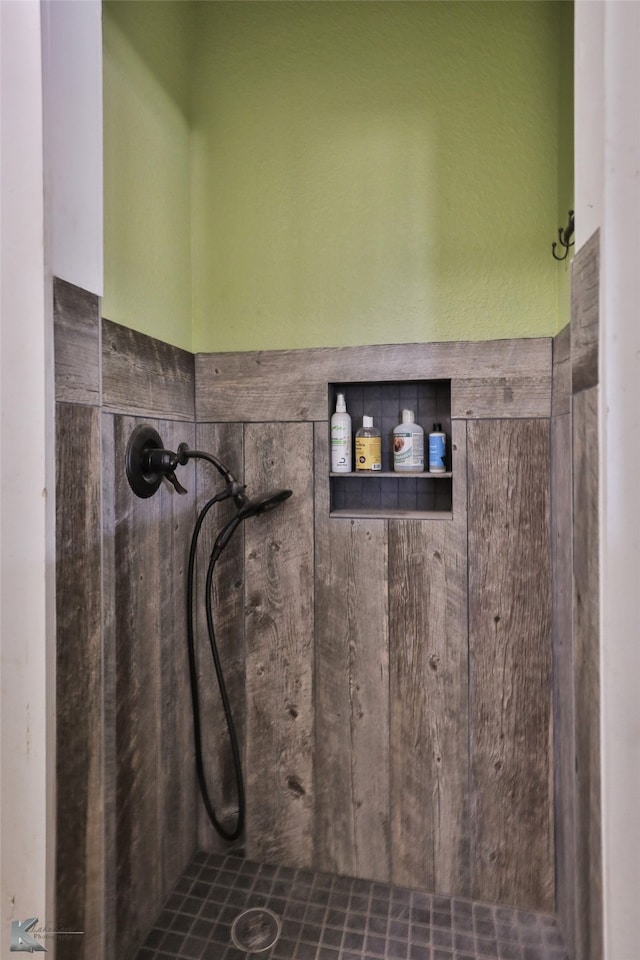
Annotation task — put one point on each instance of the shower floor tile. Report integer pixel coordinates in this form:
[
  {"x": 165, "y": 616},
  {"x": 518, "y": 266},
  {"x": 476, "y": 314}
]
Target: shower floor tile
[{"x": 324, "y": 917}]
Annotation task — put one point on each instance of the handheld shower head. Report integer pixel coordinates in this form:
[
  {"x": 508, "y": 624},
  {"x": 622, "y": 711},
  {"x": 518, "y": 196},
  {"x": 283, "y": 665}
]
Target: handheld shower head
[
  {"x": 251, "y": 508},
  {"x": 266, "y": 501}
]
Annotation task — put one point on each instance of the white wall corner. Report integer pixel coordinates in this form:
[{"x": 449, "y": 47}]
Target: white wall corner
[
  {"x": 27, "y": 642},
  {"x": 619, "y": 471},
  {"x": 72, "y": 80}
]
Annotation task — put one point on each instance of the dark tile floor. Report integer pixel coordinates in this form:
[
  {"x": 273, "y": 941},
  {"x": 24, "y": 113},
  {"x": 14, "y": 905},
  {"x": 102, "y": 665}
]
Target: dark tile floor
[{"x": 322, "y": 917}]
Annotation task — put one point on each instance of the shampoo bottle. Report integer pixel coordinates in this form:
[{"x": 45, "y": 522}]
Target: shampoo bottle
[
  {"x": 368, "y": 446},
  {"x": 341, "y": 438},
  {"x": 437, "y": 450},
  {"x": 408, "y": 445}
]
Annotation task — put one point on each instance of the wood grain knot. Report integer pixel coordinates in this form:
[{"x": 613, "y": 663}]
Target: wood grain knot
[
  {"x": 296, "y": 787},
  {"x": 434, "y": 660}
]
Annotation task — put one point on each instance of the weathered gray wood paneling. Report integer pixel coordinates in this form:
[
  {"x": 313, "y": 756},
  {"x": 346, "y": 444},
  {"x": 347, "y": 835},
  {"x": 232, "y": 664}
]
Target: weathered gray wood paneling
[
  {"x": 76, "y": 332},
  {"x": 563, "y": 673},
  {"x": 328, "y": 795},
  {"x": 178, "y": 810},
  {"x": 138, "y": 693},
  {"x": 145, "y": 377},
  {"x": 224, "y": 441},
  {"x": 429, "y": 719},
  {"x": 510, "y": 662},
  {"x": 561, "y": 385},
  {"x": 475, "y": 398},
  {"x": 587, "y": 677},
  {"x": 510, "y": 377},
  {"x": 109, "y": 669},
  {"x": 155, "y": 821},
  {"x": 279, "y": 634},
  {"x": 80, "y": 852},
  {"x": 352, "y": 688},
  {"x": 585, "y": 311}
]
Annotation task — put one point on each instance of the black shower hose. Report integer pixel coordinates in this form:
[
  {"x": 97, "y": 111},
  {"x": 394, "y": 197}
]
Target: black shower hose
[{"x": 193, "y": 673}]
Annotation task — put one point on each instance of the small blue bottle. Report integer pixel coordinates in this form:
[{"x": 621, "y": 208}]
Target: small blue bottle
[{"x": 437, "y": 450}]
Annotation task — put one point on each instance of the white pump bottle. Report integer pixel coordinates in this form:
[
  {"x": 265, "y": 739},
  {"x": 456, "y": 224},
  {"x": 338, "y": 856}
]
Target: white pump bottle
[{"x": 341, "y": 458}]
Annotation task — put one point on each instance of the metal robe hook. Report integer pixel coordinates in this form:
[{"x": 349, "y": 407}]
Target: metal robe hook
[{"x": 564, "y": 238}]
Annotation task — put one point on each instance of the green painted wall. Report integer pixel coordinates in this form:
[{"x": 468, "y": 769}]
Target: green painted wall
[
  {"x": 147, "y": 179},
  {"x": 565, "y": 154},
  {"x": 360, "y": 172}
]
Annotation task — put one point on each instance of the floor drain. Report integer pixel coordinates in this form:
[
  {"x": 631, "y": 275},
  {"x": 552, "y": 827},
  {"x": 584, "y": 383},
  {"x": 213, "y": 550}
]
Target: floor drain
[{"x": 255, "y": 930}]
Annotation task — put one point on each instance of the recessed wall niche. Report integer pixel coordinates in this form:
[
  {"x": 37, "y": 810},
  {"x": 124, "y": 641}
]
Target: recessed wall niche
[{"x": 386, "y": 493}]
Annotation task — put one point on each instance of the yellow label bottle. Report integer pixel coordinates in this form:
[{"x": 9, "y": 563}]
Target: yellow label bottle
[{"x": 368, "y": 446}]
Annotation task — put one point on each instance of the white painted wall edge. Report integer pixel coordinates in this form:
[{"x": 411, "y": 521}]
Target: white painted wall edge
[
  {"x": 588, "y": 110},
  {"x": 72, "y": 67},
  {"x": 26, "y": 494},
  {"x": 619, "y": 472}
]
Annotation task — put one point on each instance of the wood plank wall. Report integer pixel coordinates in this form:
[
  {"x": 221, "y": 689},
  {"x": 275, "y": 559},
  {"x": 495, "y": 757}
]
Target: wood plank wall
[
  {"x": 279, "y": 621},
  {"x": 346, "y": 641},
  {"x": 587, "y": 920},
  {"x": 429, "y": 693},
  {"x": 126, "y": 822},
  {"x": 364, "y": 663},
  {"x": 562, "y": 634},
  {"x": 226, "y": 442},
  {"x": 352, "y": 828},
  {"x": 510, "y": 669},
  {"x": 576, "y": 641}
]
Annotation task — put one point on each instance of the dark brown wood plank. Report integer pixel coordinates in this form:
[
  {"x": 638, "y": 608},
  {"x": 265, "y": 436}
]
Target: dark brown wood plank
[
  {"x": 563, "y": 673},
  {"x": 587, "y": 677},
  {"x": 585, "y": 312},
  {"x": 76, "y": 333},
  {"x": 510, "y": 662},
  {"x": 429, "y": 695},
  {"x": 279, "y": 630},
  {"x": 80, "y": 849},
  {"x": 561, "y": 389},
  {"x": 144, "y": 376},
  {"x": 351, "y": 829},
  {"x": 224, "y": 441},
  {"x": 292, "y": 384}
]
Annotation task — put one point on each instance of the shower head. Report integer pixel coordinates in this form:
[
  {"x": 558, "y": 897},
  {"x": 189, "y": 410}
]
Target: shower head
[
  {"x": 250, "y": 508},
  {"x": 266, "y": 501}
]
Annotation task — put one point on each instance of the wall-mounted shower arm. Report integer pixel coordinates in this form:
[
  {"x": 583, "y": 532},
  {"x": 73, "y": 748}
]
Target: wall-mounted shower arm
[
  {"x": 148, "y": 463},
  {"x": 234, "y": 487}
]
